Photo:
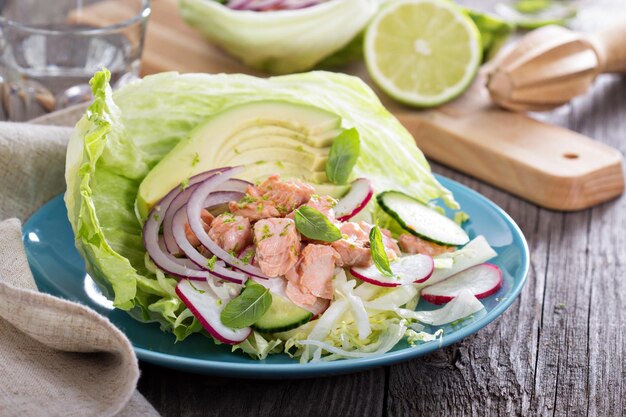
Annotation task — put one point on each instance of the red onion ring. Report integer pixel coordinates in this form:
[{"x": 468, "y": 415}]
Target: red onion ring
[
  {"x": 219, "y": 269},
  {"x": 194, "y": 208},
  {"x": 162, "y": 259},
  {"x": 182, "y": 198}
]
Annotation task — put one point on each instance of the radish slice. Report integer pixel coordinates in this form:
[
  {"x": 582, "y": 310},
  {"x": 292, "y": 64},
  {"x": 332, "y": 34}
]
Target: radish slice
[
  {"x": 406, "y": 270},
  {"x": 195, "y": 206},
  {"x": 481, "y": 280},
  {"x": 357, "y": 198},
  {"x": 218, "y": 269},
  {"x": 474, "y": 253},
  {"x": 207, "y": 307}
]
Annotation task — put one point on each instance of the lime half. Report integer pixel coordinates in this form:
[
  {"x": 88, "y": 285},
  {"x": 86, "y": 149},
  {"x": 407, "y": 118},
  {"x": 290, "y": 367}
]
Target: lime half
[{"x": 422, "y": 52}]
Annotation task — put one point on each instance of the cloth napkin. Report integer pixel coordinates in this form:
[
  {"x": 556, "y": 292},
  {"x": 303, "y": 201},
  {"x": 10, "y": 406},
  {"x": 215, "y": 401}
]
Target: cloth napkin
[{"x": 57, "y": 358}]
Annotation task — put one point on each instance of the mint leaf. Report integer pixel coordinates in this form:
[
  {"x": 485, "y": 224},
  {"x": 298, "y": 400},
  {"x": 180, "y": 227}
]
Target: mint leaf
[
  {"x": 249, "y": 306},
  {"x": 379, "y": 254},
  {"x": 343, "y": 156},
  {"x": 314, "y": 225}
]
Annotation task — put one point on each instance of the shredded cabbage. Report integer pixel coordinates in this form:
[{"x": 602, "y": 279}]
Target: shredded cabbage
[{"x": 465, "y": 304}]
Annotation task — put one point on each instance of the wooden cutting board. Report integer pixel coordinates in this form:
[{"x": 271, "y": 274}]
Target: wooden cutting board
[{"x": 548, "y": 165}]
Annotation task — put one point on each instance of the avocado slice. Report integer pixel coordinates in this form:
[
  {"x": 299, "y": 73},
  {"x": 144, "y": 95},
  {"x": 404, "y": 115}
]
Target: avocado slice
[{"x": 267, "y": 137}]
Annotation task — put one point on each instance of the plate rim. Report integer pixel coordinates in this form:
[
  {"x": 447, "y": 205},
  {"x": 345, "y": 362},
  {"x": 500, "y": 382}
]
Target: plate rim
[{"x": 261, "y": 369}]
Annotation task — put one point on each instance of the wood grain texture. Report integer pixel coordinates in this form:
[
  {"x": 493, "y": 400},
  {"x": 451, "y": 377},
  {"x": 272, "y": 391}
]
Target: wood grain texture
[
  {"x": 559, "y": 350},
  {"x": 179, "y": 394}
]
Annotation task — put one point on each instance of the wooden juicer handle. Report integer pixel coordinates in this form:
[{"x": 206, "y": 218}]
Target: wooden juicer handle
[
  {"x": 551, "y": 65},
  {"x": 610, "y": 46}
]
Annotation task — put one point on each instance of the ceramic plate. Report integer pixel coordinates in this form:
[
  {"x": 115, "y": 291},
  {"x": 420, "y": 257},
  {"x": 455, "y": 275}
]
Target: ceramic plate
[{"x": 59, "y": 270}]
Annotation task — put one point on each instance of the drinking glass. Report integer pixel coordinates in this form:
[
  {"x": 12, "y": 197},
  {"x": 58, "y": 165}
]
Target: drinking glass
[{"x": 49, "y": 49}]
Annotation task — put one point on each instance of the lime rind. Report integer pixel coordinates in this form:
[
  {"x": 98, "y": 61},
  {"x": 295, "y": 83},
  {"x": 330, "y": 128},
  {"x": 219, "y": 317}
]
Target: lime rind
[{"x": 414, "y": 98}]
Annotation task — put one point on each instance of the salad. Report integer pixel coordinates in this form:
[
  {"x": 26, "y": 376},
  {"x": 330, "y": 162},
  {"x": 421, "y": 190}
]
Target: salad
[
  {"x": 268, "y": 214},
  {"x": 270, "y": 35}
]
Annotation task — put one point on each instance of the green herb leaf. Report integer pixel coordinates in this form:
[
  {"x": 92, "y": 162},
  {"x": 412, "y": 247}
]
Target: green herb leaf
[
  {"x": 247, "y": 307},
  {"x": 379, "y": 254},
  {"x": 196, "y": 159},
  {"x": 314, "y": 225},
  {"x": 343, "y": 156},
  {"x": 195, "y": 288},
  {"x": 211, "y": 262},
  {"x": 184, "y": 184},
  {"x": 461, "y": 217}
]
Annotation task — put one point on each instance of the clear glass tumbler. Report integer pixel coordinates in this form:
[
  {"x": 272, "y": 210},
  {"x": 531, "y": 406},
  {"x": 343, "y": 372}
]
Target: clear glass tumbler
[{"x": 49, "y": 49}]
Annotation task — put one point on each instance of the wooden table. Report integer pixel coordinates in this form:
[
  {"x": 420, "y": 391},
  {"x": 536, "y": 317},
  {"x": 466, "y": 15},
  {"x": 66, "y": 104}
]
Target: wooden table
[{"x": 558, "y": 350}]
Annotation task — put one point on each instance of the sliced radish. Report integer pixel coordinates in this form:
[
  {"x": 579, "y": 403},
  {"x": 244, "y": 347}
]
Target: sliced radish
[
  {"x": 207, "y": 307},
  {"x": 357, "y": 198},
  {"x": 474, "y": 253},
  {"x": 481, "y": 280},
  {"x": 406, "y": 270}
]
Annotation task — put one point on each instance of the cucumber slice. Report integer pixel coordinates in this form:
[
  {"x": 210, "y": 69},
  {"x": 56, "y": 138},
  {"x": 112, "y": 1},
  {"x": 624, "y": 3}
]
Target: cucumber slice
[
  {"x": 282, "y": 315},
  {"x": 421, "y": 220}
]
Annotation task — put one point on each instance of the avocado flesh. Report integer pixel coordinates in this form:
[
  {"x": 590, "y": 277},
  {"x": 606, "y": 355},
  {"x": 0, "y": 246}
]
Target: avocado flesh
[{"x": 267, "y": 137}]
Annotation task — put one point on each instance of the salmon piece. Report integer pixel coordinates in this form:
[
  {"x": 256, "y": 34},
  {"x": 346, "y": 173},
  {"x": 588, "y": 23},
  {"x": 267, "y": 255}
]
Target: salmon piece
[
  {"x": 254, "y": 206},
  {"x": 413, "y": 244},
  {"x": 391, "y": 246},
  {"x": 351, "y": 254},
  {"x": 299, "y": 298},
  {"x": 231, "y": 233},
  {"x": 316, "y": 269},
  {"x": 285, "y": 195},
  {"x": 324, "y": 204},
  {"x": 353, "y": 248},
  {"x": 277, "y": 245},
  {"x": 207, "y": 219}
]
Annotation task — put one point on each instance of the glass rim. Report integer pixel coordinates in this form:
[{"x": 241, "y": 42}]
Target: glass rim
[{"x": 143, "y": 14}]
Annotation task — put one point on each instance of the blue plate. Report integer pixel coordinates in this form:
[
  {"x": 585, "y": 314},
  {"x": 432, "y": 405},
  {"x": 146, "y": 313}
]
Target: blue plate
[{"x": 59, "y": 270}]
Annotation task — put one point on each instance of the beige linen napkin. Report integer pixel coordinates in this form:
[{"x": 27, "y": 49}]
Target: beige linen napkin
[{"x": 57, "y": 358}]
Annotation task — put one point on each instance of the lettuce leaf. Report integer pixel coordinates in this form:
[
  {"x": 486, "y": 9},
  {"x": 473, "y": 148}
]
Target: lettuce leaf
[{"x": 124, "y": 134}]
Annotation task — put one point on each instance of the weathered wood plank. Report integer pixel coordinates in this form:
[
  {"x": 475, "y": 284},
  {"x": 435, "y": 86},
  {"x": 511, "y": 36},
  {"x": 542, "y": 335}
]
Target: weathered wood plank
[
  {"x": 559, "y": 350},
  {"x": 181, "y": 394}
]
